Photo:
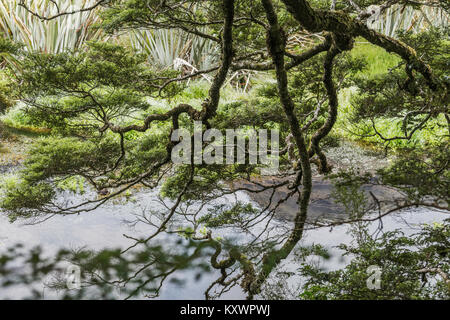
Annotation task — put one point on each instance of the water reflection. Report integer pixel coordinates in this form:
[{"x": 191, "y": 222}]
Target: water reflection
[{"x": 167, "y": 267}]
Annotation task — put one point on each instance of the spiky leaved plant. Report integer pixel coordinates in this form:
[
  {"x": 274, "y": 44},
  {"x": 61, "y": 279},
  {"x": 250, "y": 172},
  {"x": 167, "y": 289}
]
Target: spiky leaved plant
[
  {"x": 407, "y": 18},
  {"x": 164, "y": 46},
  {"x": 54, "y": 36}
]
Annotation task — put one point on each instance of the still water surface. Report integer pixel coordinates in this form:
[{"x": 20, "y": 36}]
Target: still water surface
[{"x": 105, "y": 228}]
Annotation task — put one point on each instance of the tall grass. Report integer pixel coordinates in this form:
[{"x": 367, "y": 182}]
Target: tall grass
[
  {"x": 63, "y": 33},
  {"x": 378, "y": 60}
]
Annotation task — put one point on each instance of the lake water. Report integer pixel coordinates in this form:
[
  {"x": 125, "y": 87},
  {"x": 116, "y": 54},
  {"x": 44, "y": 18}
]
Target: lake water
[{"x": 105, "y": 228}]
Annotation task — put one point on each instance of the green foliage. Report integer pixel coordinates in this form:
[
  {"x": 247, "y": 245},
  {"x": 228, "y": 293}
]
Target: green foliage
[
  {"x": 138, "y": 14},
  {"x": 8, "y": 47},
  {"x": 8, "y": 50},
  {"x": 421, "y": 173},
  {"x": 83, "y": 88},
  {"x": 100, "y": 65},
  {"x": 206, "y": 180},
  {"x": 225, "y": 215},
  {"x": 6, "y": 91},
  {"x": 51, "y": 158},
  {"x": 143, "y": 152},
  {"x": 434, "y": 46},
  {"x": 74, "y": 184},
  {"x": 17, "y": 195},
  {"x": 401, "y": 259},
  {"x": 262, "y": 107},
  {"x": 18, "y": 118},
  {"x": 73, "y": 94},
  {"x": 386, "y": 98}
]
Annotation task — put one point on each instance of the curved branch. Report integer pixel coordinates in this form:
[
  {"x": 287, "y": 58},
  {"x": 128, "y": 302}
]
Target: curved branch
[
  {"x": 332, "y": 111},
  {"x": 342, "y": 24},
  {"x": 210, "y": 106},
  {"x": 276, "y": 47}
]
